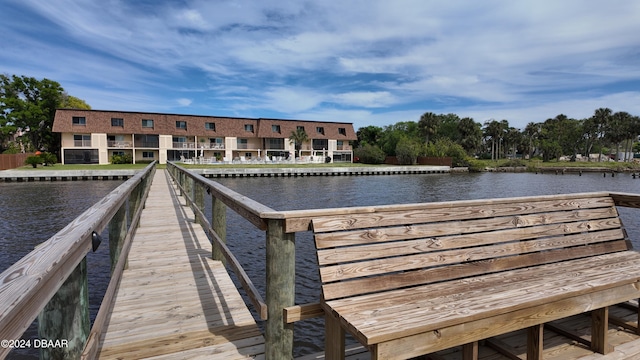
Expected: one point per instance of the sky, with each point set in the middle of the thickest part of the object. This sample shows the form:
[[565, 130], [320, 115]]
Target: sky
[[367, 62]]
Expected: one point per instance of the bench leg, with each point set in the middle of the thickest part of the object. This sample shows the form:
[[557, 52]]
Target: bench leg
[[535, 343], [470, 351], [333, 338], [600, 331]]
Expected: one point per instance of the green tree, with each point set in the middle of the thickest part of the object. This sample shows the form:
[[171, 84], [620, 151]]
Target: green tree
[[72, 102], [601, 119], [368, 135], [428, 125], [470, 135], [298, 137], [531, 135], [407, 151]]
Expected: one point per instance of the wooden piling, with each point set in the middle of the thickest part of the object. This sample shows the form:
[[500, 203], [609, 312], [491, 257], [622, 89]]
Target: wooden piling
[[66, 317], [219, 225], [117, 234], [280, 290]]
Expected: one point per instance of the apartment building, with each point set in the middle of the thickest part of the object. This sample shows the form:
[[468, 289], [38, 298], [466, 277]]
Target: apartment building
[[94, 136]]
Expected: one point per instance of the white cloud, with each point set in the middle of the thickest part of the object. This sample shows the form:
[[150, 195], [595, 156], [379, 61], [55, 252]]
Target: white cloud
[[184, 101], [511, 59]]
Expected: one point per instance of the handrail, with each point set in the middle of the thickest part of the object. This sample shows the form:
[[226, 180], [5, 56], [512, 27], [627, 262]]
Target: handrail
[[27, 286], [281, 227], [238, 203]]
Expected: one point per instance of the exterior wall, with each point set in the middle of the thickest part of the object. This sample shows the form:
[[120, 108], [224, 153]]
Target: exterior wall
[[128, 126]]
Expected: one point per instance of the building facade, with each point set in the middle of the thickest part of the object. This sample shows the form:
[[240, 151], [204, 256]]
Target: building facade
[[94, 136]]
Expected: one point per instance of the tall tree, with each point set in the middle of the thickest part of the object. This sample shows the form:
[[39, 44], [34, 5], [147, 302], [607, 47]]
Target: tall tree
[[30, 104], [601, 119], [298, 137], [531, 134], [428, 125], [470, 135]]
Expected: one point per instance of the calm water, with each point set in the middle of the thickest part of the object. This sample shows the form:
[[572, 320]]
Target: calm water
[[31, 212]]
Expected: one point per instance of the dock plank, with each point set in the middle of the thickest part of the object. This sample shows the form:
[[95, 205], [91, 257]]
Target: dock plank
[[174, 301]]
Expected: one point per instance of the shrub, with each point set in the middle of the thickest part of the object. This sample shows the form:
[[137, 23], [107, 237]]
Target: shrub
[[446, 147], [407, 151], [48, 158], [370, 154], [122, 159], [33, 160]]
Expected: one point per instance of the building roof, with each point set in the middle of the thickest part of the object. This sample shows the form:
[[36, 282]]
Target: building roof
[[100, 121]]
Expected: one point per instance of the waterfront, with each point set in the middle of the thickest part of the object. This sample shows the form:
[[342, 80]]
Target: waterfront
[[43, 208]]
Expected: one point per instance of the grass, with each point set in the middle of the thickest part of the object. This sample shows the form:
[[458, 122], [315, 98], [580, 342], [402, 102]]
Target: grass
[[85, 167], [539, 164]]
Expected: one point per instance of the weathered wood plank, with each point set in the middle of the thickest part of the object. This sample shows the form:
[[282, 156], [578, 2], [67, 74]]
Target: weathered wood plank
[[174, 300], [458, 271], [451, 211], [523, 223]]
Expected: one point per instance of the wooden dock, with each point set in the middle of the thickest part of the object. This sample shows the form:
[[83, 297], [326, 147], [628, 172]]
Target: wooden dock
[[173, 300]]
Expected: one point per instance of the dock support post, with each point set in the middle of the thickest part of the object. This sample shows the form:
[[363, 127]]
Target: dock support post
[[198, 199], [219, 225], [66, 317], [134, 200], [117, 233], [281, 259]]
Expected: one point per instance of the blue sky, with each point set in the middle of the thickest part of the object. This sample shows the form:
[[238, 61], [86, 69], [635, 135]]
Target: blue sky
[[369, 62]]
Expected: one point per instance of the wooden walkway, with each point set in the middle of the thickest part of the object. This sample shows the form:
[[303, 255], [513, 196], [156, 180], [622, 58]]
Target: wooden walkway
[[174, 301]]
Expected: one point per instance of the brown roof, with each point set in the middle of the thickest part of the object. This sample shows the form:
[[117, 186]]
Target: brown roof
[[332, 130], [99, 121]]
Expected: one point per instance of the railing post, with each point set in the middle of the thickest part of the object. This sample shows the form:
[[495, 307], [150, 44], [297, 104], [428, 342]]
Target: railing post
[[281, 277], [134, 199], [198, 199], [219, 225], [117, 233], [66, 317]]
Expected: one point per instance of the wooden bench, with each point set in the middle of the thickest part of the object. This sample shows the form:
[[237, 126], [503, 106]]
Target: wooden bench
[[414, 279]]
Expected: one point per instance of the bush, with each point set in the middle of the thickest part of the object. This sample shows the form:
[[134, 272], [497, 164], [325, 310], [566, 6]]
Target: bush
[[33, 160], [122, 159], [407, 152], [446, 147], [370, 154], [48, 158]]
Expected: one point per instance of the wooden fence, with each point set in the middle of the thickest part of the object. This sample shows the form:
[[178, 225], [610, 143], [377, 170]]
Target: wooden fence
[[12, 161]]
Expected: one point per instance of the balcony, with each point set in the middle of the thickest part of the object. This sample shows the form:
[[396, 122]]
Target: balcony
[[184, 145], [119, 144], [344, 148], [81, 143]]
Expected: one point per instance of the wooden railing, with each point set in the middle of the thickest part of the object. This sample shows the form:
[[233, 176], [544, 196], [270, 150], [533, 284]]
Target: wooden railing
[[51, 281], [280, 228]]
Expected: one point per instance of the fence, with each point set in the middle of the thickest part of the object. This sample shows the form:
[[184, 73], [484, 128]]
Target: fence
[[12, 161]]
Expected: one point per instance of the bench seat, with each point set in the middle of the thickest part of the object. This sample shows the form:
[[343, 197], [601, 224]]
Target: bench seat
[[415, 281], [491, 303]]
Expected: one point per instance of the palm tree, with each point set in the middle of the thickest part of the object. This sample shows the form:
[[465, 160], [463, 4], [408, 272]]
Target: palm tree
[[470, 135], [428, 125], [532, 133], [298, 137], [602, 118]]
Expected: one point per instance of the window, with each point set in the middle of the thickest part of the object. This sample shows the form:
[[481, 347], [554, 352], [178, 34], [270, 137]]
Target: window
[[275, 128], [181, 125], [300, 128], [210, 126], [320, 144], [277, 144], [117, 122], [342, 131], [248, 127], [148, 155], [147, 123], [82, 140], [320, 130], [243, 143], [79, 120]]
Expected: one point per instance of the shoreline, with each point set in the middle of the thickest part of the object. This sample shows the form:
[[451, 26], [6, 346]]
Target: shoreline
[[102, 174]]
